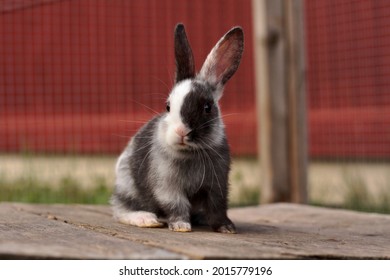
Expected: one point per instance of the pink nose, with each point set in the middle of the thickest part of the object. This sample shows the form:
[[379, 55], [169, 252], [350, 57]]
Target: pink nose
[[181, 130]]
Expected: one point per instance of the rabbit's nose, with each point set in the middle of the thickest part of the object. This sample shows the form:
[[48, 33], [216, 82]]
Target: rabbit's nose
[[181, 130]]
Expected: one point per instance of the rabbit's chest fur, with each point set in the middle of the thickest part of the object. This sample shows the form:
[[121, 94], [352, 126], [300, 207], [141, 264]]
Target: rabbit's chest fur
[[185, 175], [156, 168]]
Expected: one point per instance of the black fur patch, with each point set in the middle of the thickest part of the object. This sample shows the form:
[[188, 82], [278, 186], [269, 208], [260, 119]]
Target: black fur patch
[[193, 111], [185, 64]]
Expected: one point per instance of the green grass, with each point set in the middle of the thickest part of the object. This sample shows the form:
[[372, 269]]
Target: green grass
[[248, 196], [69, 190], [31, 190], [359, 198]]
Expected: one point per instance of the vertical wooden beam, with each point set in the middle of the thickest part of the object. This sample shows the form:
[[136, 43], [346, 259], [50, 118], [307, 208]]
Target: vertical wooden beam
[[280, 99], [271, 101], [297, 116], [262, 85]]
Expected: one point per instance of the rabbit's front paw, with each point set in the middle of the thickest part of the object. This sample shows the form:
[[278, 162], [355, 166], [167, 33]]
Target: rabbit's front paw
[[140, 219], [180, 226]]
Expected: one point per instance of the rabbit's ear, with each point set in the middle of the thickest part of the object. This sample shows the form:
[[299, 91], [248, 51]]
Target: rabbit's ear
[[223, 60], [185, 65]]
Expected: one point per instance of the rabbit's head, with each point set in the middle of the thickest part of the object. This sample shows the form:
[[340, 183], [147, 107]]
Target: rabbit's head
[[193, 119]]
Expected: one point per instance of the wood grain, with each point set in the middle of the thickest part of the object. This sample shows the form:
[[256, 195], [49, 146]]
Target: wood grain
[[274, 231]]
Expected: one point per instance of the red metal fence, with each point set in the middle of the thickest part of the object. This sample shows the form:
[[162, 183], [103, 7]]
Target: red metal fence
[[74, 75], [348, 51], [82, 75]]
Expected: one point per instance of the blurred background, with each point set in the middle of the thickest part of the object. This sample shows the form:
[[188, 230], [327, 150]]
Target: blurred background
[[79, 77]]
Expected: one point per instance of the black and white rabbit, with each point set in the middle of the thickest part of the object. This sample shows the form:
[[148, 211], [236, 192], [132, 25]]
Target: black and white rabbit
[[176, 166]]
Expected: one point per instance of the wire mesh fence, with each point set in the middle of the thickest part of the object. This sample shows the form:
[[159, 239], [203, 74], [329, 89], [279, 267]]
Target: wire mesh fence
[[79, 77], [82, 76], [348, 78]]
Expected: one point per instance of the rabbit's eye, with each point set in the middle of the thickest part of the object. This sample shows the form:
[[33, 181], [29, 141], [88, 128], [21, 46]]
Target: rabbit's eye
[[207, 107], [168, 107]]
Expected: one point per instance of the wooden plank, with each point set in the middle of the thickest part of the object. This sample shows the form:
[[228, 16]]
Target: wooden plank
[[315, 232], [275, 231], [29, 234], [202, 243]]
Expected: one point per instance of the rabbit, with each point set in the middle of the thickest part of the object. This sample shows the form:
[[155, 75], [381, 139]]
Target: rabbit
[[175, 168]]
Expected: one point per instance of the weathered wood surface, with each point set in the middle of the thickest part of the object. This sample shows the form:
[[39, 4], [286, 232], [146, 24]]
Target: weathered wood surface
[[275, 231]]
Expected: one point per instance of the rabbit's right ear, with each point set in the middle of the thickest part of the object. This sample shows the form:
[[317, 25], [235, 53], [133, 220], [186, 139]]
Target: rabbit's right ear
[[185, 64], [223, 60]]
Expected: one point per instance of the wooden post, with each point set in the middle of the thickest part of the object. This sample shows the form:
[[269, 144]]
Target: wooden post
[[280, 84], [297, 117]]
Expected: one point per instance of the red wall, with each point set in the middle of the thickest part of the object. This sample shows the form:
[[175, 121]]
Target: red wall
[[74, 74], [82, 75]]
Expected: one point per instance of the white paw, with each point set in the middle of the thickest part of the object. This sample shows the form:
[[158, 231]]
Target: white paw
[[140, 219], [180, 226]]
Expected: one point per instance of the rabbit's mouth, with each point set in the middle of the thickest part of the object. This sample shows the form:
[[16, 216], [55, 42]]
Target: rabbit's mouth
[[183, 143]]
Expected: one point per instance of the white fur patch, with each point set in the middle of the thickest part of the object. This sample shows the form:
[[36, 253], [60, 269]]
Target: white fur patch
[[124, 181], [176, 99], [167, 133], [180, 226], [170, 195], [173, 197], [137, 218]]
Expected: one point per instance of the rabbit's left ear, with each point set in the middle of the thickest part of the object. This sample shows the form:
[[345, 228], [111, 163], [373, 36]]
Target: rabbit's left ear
[[223, 60], [185, 64]]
